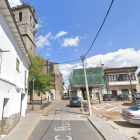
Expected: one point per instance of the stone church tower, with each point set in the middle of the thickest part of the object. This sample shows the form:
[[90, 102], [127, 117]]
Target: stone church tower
[[26, 21]]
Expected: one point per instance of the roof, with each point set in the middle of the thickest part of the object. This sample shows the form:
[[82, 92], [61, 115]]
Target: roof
[[8, 14], [25, 6], [133, 68]]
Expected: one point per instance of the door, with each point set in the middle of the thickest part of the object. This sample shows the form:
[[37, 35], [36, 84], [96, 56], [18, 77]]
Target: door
[[114, 92]]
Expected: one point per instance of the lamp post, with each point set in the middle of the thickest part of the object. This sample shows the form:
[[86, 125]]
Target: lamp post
[[33, 80], [129, 75], [97, 81]]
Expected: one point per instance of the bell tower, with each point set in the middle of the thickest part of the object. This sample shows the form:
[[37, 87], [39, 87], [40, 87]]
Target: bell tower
[[26, 21]]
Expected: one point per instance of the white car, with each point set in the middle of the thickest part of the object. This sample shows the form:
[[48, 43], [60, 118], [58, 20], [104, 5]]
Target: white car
[[132, 114]]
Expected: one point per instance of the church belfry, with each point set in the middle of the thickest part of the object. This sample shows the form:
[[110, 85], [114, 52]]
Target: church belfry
[[26, 21]]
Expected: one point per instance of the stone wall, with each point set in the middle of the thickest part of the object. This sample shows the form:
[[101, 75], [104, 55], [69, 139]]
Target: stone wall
[[8, 123], [26, 28]]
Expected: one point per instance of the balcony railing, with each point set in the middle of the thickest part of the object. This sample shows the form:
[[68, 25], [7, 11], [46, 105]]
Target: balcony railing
[[121, 77]]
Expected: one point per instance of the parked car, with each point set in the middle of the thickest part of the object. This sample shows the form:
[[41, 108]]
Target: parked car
[[75, 101], [109, 97], [122, 97], [132, 114], [137, 95]]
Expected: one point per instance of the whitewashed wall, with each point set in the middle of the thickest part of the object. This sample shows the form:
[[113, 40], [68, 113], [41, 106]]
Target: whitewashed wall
[[10, 74]]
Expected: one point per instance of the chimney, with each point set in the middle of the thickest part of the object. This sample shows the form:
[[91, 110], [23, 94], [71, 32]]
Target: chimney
[[102, 65]]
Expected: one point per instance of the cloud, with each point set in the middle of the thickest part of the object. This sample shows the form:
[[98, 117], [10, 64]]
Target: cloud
[[110, 43], [121, 58], [42, 41], [78, 25], [40, 21], [76, 50], [14, 2], [49, 48], [61, 33], [71, 42], [47, 54]]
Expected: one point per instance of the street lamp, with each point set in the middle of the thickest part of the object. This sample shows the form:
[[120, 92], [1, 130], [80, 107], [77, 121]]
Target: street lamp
[[33, 80], [97, 81], [129, 75]]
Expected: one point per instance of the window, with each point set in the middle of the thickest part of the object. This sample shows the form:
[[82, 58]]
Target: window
[[124, 91], [17, 65], [20, 16], [25, 78], [30, 21]]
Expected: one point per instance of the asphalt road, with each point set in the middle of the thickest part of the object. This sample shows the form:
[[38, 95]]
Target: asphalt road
[[63, 122]]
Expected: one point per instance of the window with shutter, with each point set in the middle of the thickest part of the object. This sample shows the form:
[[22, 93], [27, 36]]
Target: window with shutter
[[17, 65]]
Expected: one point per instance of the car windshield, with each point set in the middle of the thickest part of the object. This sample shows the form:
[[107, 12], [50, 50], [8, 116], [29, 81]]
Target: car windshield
[[75, 98], [135, 108]]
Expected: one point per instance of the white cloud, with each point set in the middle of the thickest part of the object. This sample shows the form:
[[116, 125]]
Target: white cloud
[[121, 58], [47, 54], [78, 25], [49, 48], [71, 42], [42, 41], [110, 43], [14, 2], [76, 50], [40, 21], [61, 33]]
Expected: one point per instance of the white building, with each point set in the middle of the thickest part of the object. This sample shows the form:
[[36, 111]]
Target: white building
[[14, 66]]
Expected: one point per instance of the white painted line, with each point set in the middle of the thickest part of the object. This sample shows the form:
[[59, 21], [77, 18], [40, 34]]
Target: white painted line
[[83, 109], [108, 104], [111, 109], [95, 108]]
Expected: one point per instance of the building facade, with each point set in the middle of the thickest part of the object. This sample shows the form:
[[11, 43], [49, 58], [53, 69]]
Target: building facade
[[110, 80], [118, 81], [25, 17], [14, 66]]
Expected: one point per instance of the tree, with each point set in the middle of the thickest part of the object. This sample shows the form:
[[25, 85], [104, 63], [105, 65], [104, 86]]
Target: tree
[[43, 81]]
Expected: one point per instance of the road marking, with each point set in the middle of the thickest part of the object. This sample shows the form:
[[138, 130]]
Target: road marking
[[101, 107], [56, 138], [108, 104], [95, 108], [111, 109]]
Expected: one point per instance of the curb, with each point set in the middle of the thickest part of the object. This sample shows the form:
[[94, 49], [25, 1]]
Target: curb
[[33, 128], [105, 138]]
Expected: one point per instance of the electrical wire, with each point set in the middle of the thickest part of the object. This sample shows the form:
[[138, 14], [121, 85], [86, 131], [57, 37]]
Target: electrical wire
[[96, 34], [100, 27]]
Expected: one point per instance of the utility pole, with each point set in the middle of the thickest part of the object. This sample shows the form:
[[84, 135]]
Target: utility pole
[[89, 105]]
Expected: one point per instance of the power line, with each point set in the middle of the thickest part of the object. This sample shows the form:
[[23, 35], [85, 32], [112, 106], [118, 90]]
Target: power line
[[96, 34], [100, 27]]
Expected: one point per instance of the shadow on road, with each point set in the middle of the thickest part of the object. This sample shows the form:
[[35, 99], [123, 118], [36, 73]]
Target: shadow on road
[[126, 124]]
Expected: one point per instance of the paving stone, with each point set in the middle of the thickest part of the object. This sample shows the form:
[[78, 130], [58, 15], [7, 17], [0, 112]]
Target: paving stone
[[105, 129]]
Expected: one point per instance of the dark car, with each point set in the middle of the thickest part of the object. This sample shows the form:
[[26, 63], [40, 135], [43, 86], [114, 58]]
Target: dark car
[[75, 101], [122, 97], [109, 97]]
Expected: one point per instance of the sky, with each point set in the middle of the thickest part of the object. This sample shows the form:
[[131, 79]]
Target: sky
[[67, 28]]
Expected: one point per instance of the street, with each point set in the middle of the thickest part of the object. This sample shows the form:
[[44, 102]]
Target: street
[[63, 122]]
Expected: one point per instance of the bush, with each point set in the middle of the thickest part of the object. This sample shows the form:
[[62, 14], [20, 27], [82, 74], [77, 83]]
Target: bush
[[85, 95]]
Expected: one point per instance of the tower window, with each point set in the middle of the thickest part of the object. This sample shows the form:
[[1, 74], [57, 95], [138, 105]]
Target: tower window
[[20, 16]]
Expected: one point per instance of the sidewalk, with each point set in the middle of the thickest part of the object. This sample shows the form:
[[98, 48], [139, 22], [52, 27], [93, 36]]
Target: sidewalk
[[105, 129], [24, 127], [28, 123]]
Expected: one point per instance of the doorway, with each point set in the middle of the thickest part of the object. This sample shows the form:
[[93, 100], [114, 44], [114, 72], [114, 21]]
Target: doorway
[[114, 92], [4, 114], [21, 104]]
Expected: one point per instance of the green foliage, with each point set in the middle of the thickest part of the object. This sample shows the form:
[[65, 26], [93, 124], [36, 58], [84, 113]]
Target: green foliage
[[43, 81], [85, 95]]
